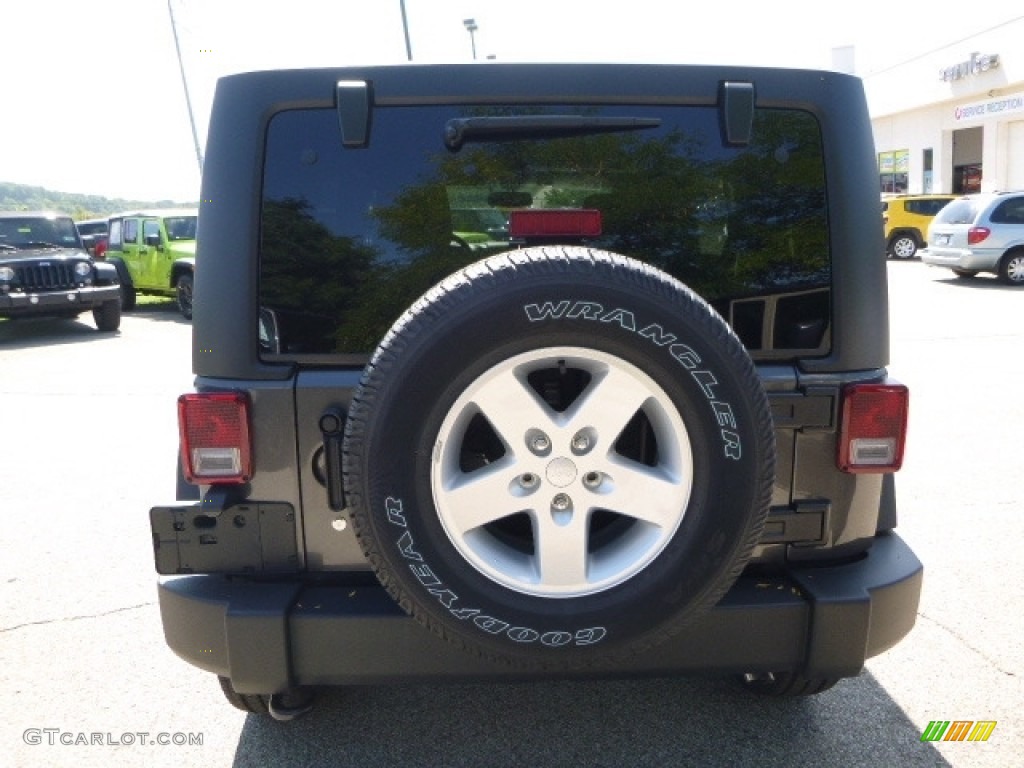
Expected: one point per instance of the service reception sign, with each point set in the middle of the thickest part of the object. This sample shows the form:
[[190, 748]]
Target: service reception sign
[[980, 110]]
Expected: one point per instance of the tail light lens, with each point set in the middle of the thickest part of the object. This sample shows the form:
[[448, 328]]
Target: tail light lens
[[554, 222], [215, 442], [976, 234], [873, 427]]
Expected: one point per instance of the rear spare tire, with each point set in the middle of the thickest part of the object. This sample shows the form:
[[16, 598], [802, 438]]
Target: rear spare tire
[[558, 457]]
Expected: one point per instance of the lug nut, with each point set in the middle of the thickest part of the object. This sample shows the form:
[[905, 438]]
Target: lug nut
[[561, 502], [540, 443], [580, 443], [528, 481], [592, 479]]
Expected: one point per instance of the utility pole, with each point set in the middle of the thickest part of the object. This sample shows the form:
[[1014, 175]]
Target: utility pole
[[184, 83]]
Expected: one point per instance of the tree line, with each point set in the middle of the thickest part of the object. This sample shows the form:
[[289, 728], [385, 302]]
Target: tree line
[[22, 197]]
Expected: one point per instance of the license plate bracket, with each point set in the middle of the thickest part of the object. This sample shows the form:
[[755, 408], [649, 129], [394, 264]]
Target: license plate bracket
[[241, 538]]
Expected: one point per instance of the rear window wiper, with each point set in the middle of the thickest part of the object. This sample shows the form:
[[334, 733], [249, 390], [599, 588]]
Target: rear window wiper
[[463, 130]]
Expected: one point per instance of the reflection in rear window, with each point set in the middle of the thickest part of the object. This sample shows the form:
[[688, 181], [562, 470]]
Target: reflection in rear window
[[351, 237], [961, 211]]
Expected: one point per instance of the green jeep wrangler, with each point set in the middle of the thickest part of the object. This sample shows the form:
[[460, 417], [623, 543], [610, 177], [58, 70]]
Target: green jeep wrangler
[[155, 253]]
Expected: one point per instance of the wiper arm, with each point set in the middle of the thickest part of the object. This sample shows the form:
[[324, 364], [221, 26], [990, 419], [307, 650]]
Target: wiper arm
[[461, 130]]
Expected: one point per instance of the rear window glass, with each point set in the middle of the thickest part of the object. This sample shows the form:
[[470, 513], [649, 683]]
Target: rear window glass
[[926, 207], [92, 227], [115, 233], [962, 211], [352, 236]]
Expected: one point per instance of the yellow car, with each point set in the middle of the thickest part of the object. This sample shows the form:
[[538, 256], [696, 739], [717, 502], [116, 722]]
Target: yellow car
[[906, 219]]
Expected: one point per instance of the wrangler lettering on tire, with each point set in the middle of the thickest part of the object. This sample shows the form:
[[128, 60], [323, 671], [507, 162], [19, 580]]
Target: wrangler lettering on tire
[[558, 456]]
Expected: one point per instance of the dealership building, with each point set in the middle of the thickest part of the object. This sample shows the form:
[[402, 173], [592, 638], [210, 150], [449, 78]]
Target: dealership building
[[952, 119]]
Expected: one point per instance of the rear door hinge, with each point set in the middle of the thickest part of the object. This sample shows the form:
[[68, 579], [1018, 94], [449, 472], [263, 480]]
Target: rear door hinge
[[805, 523], [811, 410], [353, 100]]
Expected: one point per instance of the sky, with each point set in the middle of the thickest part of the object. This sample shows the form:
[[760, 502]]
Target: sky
[[93, 99]]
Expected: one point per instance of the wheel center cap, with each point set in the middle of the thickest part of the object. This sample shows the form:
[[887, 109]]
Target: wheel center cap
[[561, 472]]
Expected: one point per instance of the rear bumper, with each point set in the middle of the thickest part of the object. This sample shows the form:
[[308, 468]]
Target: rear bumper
[[961, 258], [268, 637]]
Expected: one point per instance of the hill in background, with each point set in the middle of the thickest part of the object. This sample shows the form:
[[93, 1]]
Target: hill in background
[[20, 197]]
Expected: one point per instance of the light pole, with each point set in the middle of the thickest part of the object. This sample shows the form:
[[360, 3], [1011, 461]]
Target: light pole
[[471, 27]]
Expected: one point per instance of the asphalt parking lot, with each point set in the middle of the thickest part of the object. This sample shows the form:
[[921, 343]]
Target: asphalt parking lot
[[89, 436]]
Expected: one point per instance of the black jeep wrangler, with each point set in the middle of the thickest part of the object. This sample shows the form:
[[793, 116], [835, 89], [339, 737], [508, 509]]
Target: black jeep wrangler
[[45, 271], [635, 421]]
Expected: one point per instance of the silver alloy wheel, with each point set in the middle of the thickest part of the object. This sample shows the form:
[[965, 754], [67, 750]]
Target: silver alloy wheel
[[904, 247], [564, 509], [1015, 268]]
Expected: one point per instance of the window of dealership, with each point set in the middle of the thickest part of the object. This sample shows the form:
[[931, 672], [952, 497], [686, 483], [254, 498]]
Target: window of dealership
[[952, 120]]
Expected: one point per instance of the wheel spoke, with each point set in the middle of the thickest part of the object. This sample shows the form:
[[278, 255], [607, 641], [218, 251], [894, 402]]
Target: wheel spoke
[[480, 497], [1015, 269], [608, 404], [511, 406], [644, 493], [561, 549]]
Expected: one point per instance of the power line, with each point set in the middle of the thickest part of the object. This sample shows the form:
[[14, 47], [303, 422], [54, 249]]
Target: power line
[[942, 47]]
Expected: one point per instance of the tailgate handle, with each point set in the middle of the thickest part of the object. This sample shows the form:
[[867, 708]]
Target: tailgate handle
[[332, 427]]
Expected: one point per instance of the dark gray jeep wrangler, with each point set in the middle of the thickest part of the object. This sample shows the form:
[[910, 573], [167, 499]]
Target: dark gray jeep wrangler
[[46, 271], [537, 369]]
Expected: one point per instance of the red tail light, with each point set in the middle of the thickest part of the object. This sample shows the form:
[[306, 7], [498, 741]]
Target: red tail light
[[554, 222], [214, 431], [976, 234], [873, 427]]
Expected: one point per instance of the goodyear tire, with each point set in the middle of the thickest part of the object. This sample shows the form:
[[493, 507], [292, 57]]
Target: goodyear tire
[[558, 457]]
